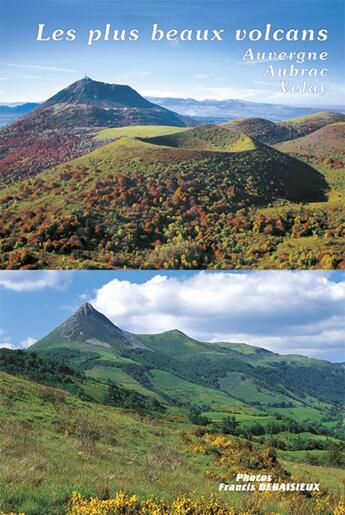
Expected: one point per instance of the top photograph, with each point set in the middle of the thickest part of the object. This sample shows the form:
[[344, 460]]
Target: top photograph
[[172, 135]]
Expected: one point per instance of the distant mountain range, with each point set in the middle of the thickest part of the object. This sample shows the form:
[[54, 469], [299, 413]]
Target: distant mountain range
[[9, 113], [216, 111], [17, 109], [175, 368]]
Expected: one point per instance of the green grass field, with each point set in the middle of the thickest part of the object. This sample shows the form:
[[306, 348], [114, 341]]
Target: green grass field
[[137, 131], [186, 392], [119, 377], [53, 444], [245, 388]]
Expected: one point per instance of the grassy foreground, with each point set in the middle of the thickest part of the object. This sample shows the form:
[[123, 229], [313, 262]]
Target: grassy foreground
[[53, 444]]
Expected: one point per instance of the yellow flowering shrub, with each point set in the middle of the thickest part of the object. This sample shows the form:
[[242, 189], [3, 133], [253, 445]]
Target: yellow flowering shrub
[[131, 505], [121, 504], [340, 507], [203, 506], [200, 449], [238, 456]]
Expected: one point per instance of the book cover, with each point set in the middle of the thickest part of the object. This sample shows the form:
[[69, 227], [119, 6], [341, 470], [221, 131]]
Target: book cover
[[172, 289]]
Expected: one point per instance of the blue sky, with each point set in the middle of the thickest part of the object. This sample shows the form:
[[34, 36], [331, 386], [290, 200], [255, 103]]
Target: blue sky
[[299, 312], [33, 71]]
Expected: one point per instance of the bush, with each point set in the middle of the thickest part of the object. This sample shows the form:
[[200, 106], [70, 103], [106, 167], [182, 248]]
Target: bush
[[229, 425], [132, 505], [195, 417]]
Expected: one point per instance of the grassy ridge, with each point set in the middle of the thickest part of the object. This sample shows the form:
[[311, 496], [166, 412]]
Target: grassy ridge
[[137, 131], [262, 130], [185, 372], [325, 142], [309, 123], [207, 137]]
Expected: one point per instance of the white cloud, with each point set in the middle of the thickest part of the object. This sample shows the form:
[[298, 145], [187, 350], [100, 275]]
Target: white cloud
[[287, 312], [225, 93], [24, 344], [39, 67], [27, 281], [204, 93], [5, 341], [7, 345]]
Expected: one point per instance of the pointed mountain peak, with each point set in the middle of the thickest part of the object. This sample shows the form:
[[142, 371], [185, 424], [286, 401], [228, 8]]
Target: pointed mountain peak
[[87, 326], [94, 93], [87, 309]]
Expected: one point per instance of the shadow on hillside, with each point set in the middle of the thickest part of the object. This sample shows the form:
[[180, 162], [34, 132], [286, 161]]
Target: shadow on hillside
[[303, 183]]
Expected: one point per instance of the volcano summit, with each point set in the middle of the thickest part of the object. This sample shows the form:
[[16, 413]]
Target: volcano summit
[[64, 126], [90, 103]]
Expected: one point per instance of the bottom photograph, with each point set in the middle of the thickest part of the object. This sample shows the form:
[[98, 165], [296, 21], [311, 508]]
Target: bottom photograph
[[143, 392]]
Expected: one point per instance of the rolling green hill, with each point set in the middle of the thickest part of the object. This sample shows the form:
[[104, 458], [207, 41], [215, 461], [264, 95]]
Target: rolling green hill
[[52, 373], [214, 150], [304, 125], [269, 132], [327, 141], [166, 197], [262, 130], [142, 195], [207, 137], [177, 369]]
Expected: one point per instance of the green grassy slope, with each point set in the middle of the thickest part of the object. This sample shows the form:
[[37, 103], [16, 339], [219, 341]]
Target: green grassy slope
[[207, 137], [137, 131], [56, 444], [261, 129], [52, 373], [53, 444], [327, 141], [180, 370], [306, 124]]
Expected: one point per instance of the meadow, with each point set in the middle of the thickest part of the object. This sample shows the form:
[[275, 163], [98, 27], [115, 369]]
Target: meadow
[[53, 444]]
